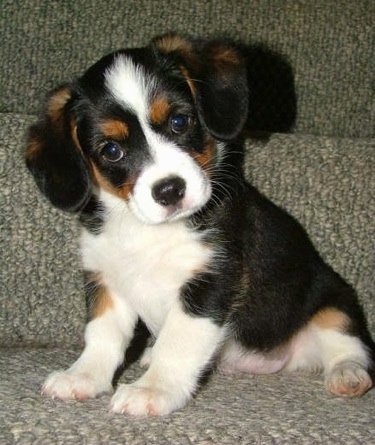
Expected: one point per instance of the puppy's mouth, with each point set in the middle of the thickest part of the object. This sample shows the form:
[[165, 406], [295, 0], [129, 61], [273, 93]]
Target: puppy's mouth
[[180, 211], [151, 209], [173, 212]]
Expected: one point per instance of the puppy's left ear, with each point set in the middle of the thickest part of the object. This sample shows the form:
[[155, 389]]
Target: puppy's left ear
[[216, 73], [221, 90]]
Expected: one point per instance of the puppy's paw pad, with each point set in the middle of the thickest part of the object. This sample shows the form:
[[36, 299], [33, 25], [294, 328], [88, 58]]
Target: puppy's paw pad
[[65, 386], [348, 379], [142, 401]]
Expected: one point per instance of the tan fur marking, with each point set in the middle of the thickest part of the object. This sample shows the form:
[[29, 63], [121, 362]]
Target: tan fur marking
[[98, 179], [173, 42], [114, 129], [222, 56], [57, 103], [101, 303], [122, 192], [55, 106], [33, 150], [73, 129], [331, 318], [204, 159], [189, 81], [159, 110], [125, 191]]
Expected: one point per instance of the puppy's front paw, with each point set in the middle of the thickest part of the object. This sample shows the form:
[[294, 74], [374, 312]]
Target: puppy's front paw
[[348, 379], [65, 385], [138, 400], [145, 361]]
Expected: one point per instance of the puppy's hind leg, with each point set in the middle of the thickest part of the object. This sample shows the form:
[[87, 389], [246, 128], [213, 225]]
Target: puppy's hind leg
[[343, 357], [348, 378]]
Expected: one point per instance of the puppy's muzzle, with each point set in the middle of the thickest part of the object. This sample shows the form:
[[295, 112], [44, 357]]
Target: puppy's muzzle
[[169, 191]]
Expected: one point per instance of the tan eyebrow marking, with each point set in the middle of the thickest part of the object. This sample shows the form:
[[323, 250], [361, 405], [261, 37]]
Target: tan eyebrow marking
[[114, 129], [159, 110]]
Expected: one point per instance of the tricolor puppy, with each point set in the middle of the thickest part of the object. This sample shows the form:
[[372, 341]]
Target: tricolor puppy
[[146, 146]]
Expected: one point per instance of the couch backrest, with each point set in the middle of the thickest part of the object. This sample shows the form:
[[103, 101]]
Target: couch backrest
[[330, 46]]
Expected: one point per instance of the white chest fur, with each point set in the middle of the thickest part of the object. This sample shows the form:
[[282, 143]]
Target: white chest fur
[[143, 265]]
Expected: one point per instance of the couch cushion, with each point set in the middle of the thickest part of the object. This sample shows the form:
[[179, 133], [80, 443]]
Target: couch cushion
[[326, 183], [264, 410]]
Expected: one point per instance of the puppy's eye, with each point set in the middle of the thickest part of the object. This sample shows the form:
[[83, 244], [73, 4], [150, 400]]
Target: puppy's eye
[[180, 123], [111, 152]]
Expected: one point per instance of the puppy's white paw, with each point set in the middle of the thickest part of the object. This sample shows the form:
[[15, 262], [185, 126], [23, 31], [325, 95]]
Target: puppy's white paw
[[348, 379], [145, 361], [65, 385], [139, 400]]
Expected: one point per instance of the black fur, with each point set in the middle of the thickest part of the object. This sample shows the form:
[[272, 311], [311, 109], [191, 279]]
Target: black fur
[[269, 280], [287, 275], [288, 280], [60, 171], [92, 216]]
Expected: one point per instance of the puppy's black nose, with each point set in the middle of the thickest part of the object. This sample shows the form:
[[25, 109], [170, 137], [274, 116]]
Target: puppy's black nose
[[169, 191]]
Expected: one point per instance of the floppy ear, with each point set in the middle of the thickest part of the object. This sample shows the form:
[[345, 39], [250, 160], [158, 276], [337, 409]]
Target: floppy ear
[[221, 90], [54, 157], [217, 74]]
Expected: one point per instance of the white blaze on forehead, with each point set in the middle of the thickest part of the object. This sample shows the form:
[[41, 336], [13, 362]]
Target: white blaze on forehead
[[133, 89], [129, 85]]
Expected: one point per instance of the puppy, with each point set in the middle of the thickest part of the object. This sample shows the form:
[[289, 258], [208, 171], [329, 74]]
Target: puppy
[[147, 148]]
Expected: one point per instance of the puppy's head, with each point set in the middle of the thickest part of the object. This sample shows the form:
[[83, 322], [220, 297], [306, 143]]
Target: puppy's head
[[142, 124]]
